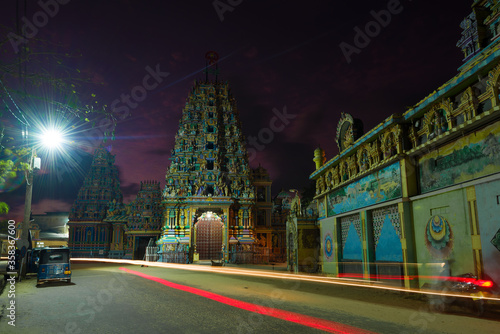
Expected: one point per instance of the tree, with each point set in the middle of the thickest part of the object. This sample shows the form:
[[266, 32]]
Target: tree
[[4, 208], [10, 163]]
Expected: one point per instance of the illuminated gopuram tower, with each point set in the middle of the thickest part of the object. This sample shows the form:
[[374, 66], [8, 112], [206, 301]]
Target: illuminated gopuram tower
[[89, 236], [209, 195]]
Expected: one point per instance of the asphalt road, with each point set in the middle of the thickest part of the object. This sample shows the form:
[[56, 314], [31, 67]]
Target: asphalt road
[[103, 298]]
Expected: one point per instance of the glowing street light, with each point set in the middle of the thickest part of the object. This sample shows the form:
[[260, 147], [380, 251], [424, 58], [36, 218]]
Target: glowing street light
[[52, 138]]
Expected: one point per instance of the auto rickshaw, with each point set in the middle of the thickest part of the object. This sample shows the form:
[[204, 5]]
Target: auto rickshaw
[[54, 265], [32, 260]]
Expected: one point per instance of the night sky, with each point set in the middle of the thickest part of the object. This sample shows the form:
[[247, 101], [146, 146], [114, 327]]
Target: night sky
[[274, 54]]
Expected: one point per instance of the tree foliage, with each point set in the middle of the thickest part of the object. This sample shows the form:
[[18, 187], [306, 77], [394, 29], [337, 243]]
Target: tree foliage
[[46, 75], [4, 208], [10, 159]]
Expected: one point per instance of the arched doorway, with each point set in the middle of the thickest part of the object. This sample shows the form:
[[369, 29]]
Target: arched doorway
[[209, 235]]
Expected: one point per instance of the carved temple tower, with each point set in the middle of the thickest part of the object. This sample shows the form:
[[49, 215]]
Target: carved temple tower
[[144, 220], [209, 196], [88, 234]]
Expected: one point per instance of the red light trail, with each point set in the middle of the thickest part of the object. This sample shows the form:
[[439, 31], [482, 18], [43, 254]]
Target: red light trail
[[322, 324]]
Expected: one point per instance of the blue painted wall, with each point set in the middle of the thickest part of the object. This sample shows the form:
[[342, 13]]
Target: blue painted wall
[[388, 247], [353, 249]]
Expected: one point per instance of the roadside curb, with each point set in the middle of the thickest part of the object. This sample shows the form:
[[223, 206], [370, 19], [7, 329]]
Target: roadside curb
[[3, 297]]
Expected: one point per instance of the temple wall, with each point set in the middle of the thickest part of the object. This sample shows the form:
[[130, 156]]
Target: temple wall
[[442, 248], [329, 251], [488, 209]]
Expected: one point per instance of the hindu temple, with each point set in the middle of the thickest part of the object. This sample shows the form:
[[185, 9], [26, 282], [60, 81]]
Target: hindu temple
[[213, 206]]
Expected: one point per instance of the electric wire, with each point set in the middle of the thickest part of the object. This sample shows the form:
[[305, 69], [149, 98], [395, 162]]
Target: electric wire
[[15, 104], [8, 108]]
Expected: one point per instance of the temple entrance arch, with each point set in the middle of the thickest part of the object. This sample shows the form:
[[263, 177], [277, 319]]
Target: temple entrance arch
[[209, 232]]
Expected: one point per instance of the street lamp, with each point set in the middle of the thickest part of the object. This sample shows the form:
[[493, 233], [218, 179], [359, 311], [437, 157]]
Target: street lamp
[[51, 138]]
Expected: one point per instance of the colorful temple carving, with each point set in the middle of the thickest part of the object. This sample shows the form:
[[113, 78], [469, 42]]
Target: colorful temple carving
[[145, 219], [209, 178], [417, 193], [213, 206]]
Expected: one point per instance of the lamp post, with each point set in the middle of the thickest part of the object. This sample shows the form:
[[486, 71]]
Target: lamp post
[[49, 139], [23, 243]]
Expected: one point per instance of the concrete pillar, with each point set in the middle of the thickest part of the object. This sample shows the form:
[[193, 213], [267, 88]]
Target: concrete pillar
[[368, 244], [319, 157], [408, 244], [476, 237]]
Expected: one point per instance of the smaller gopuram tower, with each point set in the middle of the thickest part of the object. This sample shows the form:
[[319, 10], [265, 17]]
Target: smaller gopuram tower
[[89, 236], [209, 195], [144, 219], [478, 28]]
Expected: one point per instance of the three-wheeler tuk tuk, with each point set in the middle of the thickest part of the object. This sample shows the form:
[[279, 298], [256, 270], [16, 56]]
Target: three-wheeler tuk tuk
[[54, 265]]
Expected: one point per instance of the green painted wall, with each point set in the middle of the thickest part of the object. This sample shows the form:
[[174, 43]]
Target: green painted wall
[[308, 252], [452, 206], [467, 158]]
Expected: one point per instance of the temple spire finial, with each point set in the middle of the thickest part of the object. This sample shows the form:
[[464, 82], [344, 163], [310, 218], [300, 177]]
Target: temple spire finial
[[211, 65]]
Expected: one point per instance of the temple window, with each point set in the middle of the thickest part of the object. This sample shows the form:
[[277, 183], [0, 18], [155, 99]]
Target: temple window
[[210, 189], [483, 106], [441, 125], [261, 195], [210, 164], [482, 85]]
